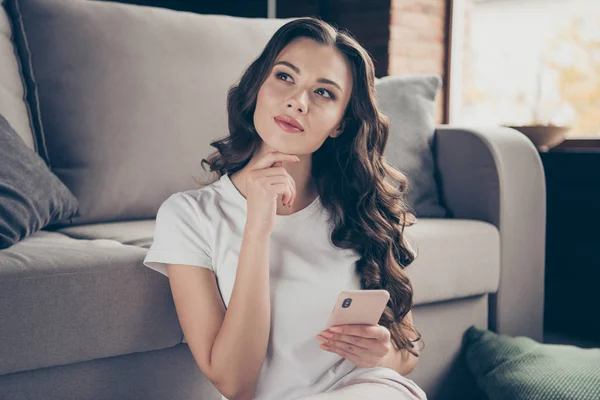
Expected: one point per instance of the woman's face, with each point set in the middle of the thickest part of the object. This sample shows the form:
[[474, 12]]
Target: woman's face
[[310, 83]]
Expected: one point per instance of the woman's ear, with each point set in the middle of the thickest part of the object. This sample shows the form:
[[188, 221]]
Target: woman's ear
[[340, 128]]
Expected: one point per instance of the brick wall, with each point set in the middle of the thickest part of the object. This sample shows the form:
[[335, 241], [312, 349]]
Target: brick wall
[[418, 41]]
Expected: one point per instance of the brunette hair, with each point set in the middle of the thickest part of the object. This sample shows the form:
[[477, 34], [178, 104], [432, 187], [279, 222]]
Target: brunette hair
[[368, 212]]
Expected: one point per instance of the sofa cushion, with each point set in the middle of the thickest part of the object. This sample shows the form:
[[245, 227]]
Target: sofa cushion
[[129, 104], [409, 103], [457, 258], [64, 300], [31, 197], [12, 88], [521, 368], [135, 233]]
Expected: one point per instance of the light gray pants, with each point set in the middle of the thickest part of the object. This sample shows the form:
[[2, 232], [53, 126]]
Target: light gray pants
[[373, 389]]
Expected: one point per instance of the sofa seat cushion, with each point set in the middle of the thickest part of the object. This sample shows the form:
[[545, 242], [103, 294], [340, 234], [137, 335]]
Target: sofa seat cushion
[[457, 258], [136, 233], [65, 300]]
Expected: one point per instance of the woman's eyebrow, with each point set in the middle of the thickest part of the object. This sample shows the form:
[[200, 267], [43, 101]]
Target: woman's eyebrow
[[297, 70]]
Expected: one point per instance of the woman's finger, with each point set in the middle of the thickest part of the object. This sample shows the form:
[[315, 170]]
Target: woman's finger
[[357, 359], [358, 341], [348, 348]]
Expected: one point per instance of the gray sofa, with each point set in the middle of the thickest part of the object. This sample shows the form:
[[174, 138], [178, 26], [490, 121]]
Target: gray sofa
[[81, 318]]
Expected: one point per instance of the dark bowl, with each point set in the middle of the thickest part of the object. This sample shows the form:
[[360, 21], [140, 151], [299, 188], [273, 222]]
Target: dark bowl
[[544, 137]]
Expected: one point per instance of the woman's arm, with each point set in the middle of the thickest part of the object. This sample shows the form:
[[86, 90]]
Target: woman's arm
[[241, 344]]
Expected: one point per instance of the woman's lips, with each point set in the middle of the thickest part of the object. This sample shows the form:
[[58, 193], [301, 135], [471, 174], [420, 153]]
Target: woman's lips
[[287, 127]]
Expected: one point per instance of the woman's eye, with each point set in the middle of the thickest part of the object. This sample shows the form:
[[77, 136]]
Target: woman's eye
[[321, 92], [325, 93], [284, 75]]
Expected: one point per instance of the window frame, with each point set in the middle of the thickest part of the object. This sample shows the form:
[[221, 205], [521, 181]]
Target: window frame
[[456, 36]]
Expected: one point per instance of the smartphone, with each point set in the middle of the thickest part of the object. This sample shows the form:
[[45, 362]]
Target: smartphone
[[358, 307]]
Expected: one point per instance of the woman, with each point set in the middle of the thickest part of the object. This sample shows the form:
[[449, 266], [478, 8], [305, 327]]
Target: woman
[[300, 211]]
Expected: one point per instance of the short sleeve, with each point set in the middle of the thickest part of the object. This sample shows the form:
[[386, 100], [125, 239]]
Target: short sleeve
[[180, 236]]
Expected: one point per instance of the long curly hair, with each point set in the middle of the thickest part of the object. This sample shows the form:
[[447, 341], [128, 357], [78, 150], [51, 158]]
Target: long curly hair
[[368, 212]]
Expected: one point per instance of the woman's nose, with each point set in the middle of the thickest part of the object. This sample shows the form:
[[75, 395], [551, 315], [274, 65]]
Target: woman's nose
[[299, 109], [298, 104]]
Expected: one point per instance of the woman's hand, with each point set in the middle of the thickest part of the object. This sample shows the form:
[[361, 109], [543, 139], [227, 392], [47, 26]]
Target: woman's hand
[[364, 345], [266, 181]]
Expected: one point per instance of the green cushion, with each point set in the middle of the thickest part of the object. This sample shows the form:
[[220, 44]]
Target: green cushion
[[521, 368]]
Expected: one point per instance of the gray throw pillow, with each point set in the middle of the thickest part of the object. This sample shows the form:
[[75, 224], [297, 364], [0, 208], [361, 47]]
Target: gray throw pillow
[[409, 103], [31, 196]]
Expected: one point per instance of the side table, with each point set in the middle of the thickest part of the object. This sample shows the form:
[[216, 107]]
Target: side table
[[572, 281]]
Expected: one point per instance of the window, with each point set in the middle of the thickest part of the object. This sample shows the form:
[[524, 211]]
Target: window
[[526, 62]]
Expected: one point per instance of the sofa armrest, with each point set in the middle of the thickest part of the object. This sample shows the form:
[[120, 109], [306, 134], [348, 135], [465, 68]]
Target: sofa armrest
[[495, 174]]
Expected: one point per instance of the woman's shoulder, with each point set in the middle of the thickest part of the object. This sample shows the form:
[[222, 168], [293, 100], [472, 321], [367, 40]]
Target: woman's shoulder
[[194, 200]]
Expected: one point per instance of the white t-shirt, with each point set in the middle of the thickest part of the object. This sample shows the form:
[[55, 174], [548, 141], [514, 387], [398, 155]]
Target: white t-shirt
[[205, 227]]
